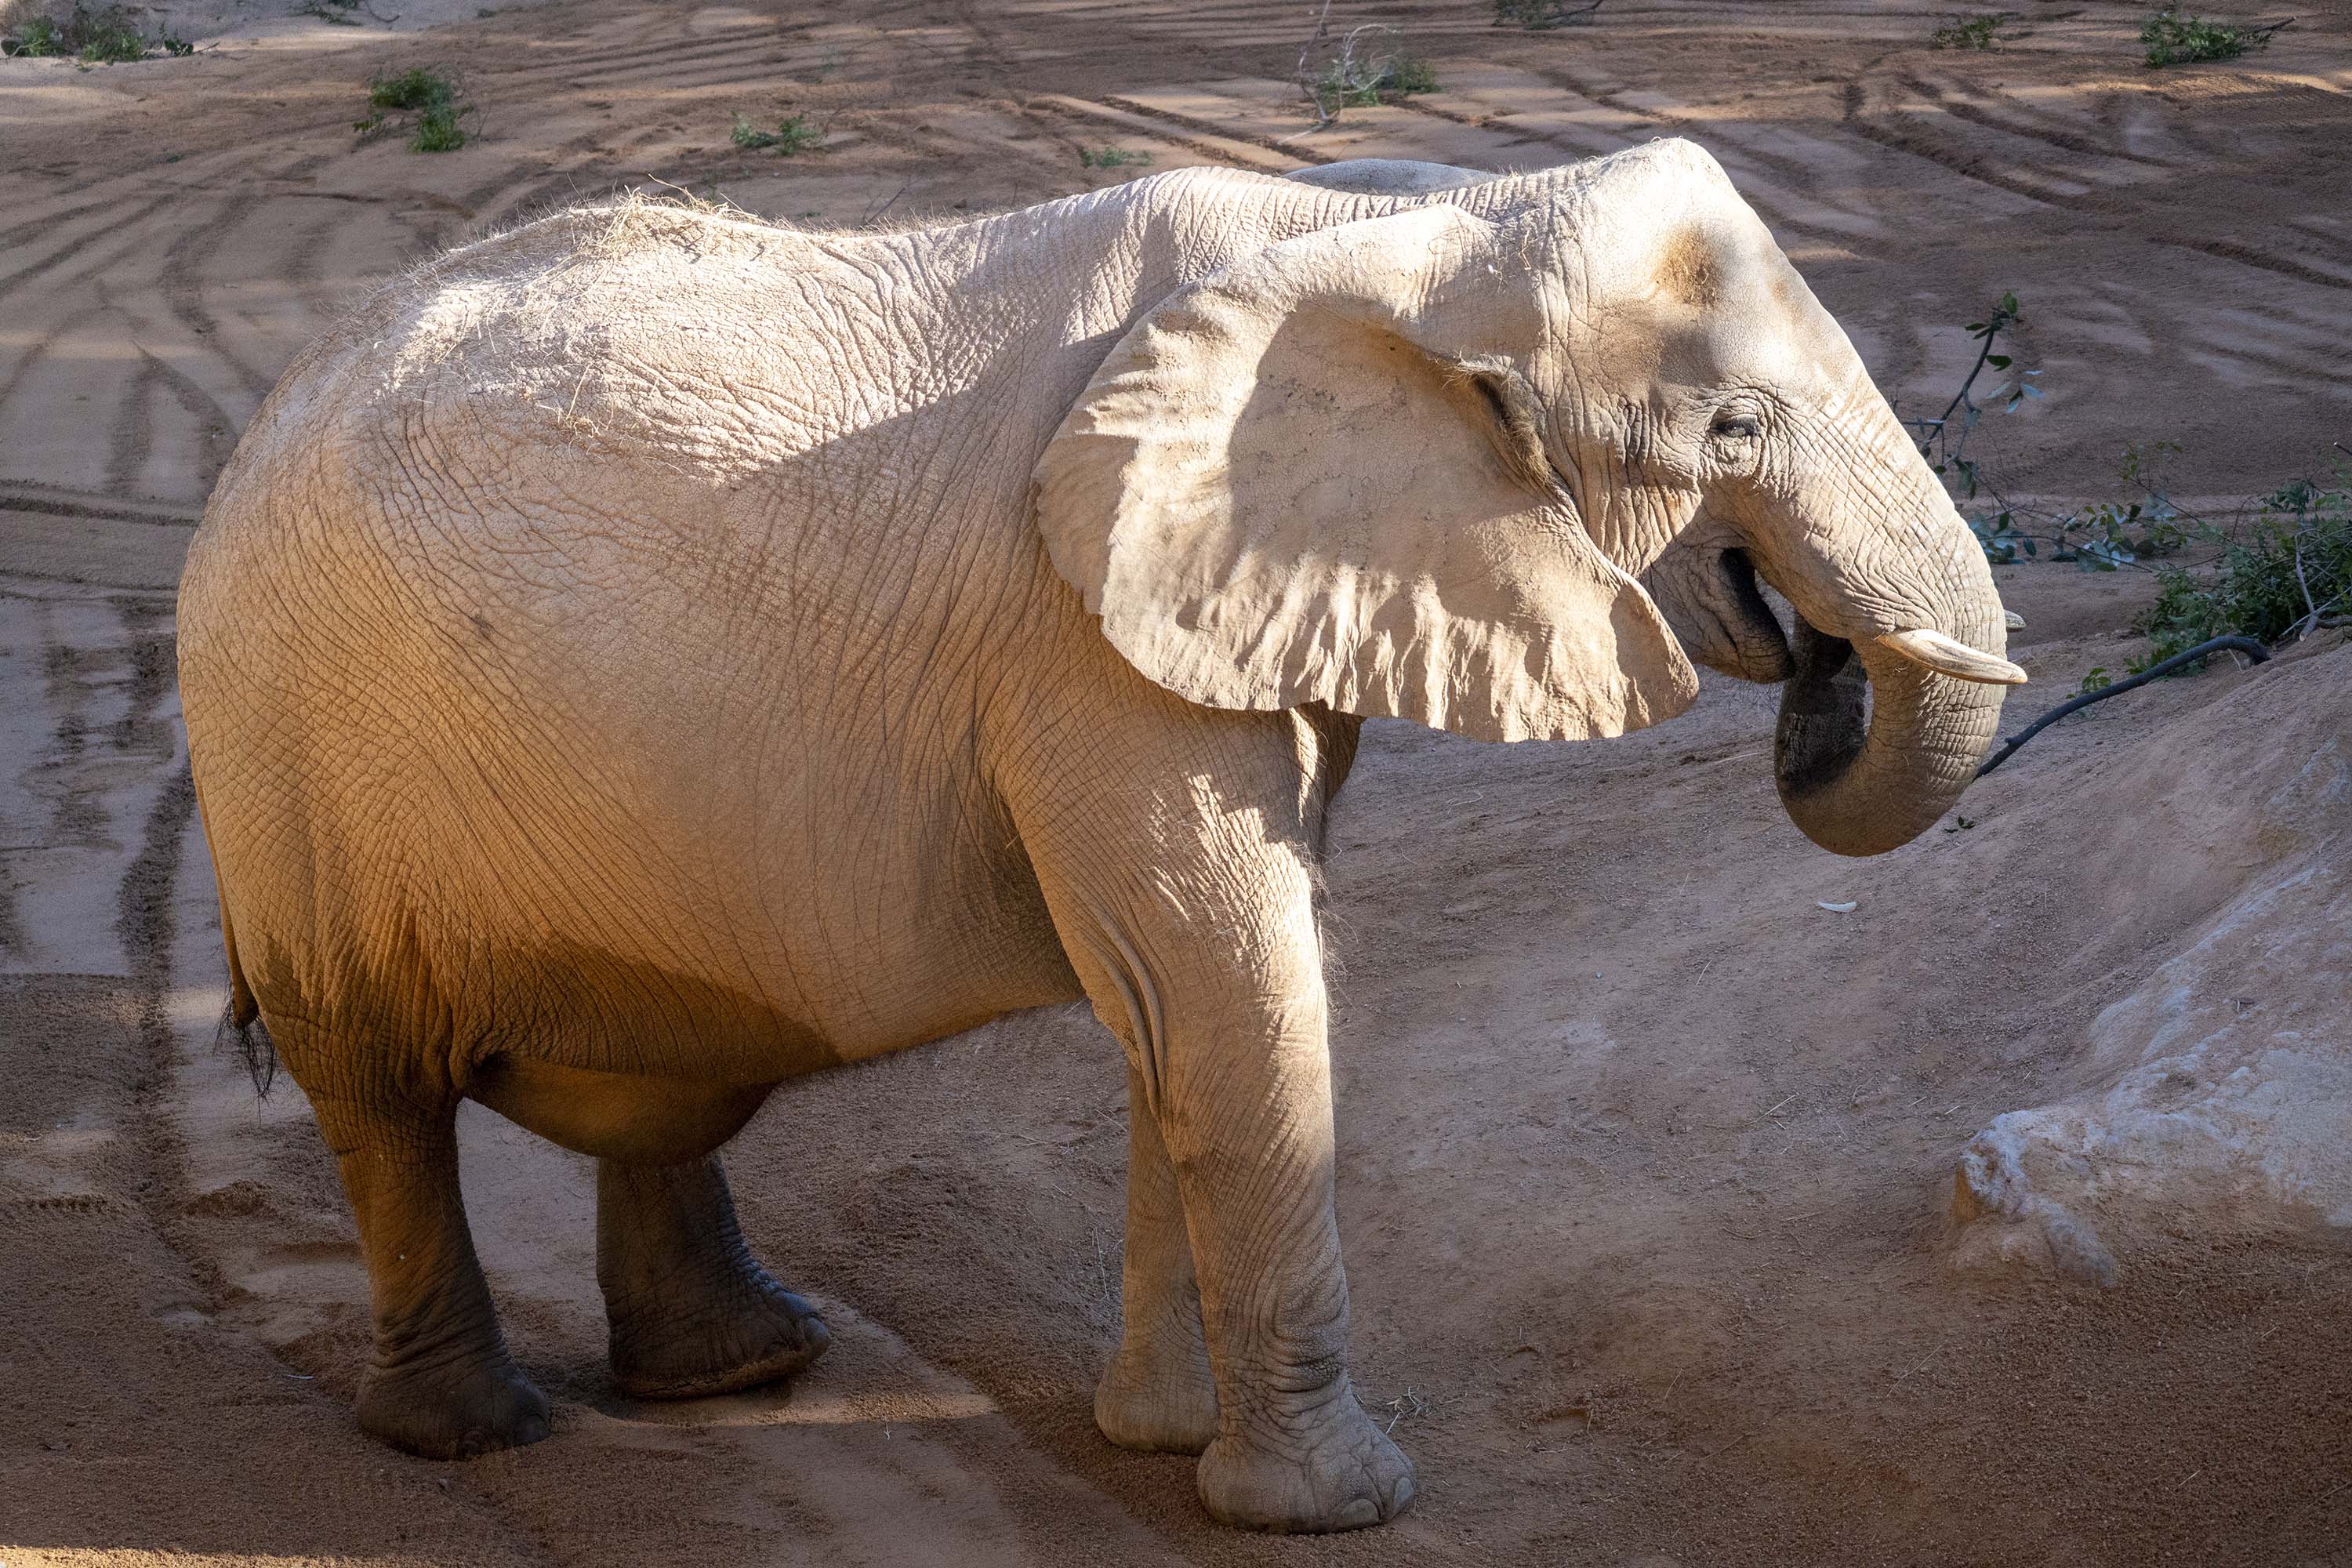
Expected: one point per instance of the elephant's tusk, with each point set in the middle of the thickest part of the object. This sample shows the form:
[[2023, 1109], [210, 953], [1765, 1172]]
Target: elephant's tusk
[[1956, 659]]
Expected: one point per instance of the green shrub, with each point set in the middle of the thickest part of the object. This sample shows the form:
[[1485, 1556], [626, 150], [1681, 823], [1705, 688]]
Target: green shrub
[[1968, 32], [789, 137], [38, 39], [1411, 76], [1351, 83], [2173, 39], [111, 42], [412, 89], [438, 132], [1110, 158], [428, 95], [2283, 572], [102, 36], [1344, 85]]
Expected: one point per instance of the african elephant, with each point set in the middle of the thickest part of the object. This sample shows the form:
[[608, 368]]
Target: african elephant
[[650, 655]]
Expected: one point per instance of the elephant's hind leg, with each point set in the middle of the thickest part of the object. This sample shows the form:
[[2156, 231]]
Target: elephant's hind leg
[[692, 1313], [1158, 1394], [441, 1383]]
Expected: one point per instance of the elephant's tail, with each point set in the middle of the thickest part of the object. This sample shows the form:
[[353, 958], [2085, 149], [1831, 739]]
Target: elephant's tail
[[242, 1007], [242, 1016]]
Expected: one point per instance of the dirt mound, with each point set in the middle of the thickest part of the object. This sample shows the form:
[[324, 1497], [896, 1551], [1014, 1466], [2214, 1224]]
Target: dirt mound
[[2219, 1101]]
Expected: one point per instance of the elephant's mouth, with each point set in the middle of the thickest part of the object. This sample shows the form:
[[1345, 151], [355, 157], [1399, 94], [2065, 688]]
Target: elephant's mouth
[[1752, 630], [1712, 598]]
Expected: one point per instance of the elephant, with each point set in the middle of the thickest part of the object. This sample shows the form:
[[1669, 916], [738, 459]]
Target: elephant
[[1388, 176], [651, 655]]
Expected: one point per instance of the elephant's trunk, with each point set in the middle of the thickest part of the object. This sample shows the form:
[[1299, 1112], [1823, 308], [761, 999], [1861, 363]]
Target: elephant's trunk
[[1863, 788], [1864, 781]]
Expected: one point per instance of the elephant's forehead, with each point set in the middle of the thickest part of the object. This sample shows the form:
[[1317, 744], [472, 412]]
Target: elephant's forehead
[[1699, 296]]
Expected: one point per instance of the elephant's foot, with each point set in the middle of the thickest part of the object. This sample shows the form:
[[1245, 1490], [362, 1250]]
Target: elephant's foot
[[746, 1331], [453, 1408], [691, 1312], [1344, 1473], [1158, 1403]]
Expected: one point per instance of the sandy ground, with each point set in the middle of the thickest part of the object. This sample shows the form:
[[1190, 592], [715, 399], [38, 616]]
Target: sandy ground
[[1644, 1155]]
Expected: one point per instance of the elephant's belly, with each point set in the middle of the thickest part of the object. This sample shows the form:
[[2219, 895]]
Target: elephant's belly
[[769, 1014], [616, 1116]]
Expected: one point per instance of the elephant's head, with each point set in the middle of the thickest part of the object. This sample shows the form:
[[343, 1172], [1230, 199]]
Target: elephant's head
[[1422, 464]]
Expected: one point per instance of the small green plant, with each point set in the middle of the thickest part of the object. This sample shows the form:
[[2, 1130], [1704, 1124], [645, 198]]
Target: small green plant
[[1360, 74], [1412, 76], [2173, 39], [2098, 538], [790, 136], [1346, 85], [94, 37], [1110, 158], [1541, 15], [1975, 32], [111, 42], [1943, 440], [437, 131], [38, 39], [2096, 678], [411, 89], [430, 96], [2283, 571]]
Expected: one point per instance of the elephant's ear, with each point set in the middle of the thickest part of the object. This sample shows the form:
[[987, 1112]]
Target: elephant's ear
[[1288, 483]]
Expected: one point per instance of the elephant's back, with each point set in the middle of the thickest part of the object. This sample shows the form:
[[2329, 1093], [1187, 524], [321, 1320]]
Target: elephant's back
[[522, 641]]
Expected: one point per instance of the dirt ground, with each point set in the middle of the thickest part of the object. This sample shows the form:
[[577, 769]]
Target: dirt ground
[[1644, 1155]]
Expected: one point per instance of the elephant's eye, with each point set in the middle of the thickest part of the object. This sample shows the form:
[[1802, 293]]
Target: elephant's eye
[[1735, 426]]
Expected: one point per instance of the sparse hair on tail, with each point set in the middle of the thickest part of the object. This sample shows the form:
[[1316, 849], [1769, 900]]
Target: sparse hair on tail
[[242, 1017]]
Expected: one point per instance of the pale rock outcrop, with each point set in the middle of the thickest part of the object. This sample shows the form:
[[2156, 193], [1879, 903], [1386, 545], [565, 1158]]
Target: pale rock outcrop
[[2228, 1105]]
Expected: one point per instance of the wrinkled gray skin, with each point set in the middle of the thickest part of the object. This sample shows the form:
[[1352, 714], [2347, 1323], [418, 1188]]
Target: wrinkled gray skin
[[625, 670]]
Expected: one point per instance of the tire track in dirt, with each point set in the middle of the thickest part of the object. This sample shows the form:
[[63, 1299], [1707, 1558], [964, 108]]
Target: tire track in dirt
[[2122, 206], [1898, 138], [729, 69], [54, 501], [2247, 255], [133, 437], [77, 247], [575, 67], [184, 282], [147, 924], [1288, 149], [34, 354], [217, 429], [1224, 148], [48, 223], [2011, 118], [1774, 202]]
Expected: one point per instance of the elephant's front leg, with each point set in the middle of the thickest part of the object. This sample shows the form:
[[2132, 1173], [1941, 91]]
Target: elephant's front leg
[[1206, 963], [1158, 1393], [1246, 1108], [691, 1311]]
